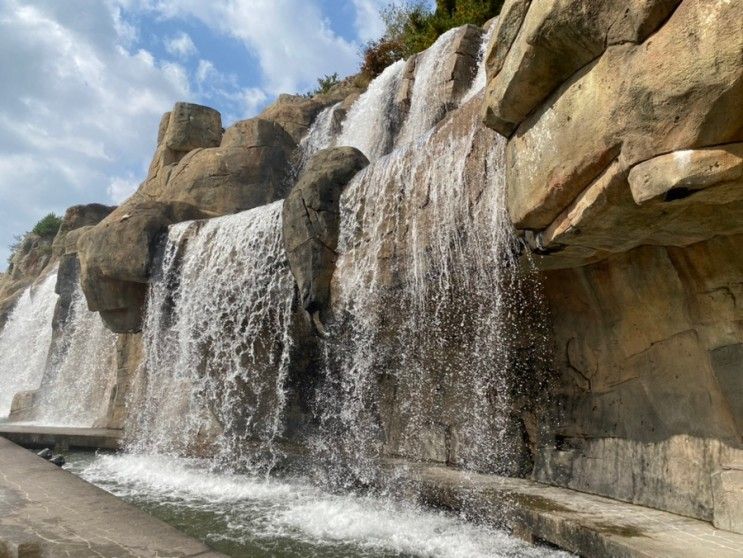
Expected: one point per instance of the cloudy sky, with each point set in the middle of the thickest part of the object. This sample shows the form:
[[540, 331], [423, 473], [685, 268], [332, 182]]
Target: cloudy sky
[[84, 83]]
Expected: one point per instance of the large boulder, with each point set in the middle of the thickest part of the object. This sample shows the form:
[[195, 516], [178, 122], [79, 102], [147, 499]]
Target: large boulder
[[311, 222], [249, 168], [570, 161], [197, 172], [116, 258], [76, 217], [540, 44]]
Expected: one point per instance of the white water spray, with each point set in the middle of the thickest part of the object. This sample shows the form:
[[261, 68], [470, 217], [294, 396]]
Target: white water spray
[[80, 376], [25, 340], [427, 107], [427, 286], [371, 122], [216, 342]]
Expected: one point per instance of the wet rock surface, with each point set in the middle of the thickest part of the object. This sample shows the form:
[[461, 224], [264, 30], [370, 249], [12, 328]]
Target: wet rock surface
[[311, 223]]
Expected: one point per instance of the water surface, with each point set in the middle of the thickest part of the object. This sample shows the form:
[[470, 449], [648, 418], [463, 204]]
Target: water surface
[[245, 516]]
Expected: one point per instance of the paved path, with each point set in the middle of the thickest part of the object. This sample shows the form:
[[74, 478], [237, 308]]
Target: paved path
[[45, 511], [61, 437], [582, 523]]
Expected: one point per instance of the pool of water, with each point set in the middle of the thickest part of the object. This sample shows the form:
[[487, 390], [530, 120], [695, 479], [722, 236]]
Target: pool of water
[[246, 516]]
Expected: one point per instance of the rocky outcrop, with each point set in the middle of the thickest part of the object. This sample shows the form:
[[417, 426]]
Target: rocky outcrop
[[116, 258], [624, 172], [76, 221], [575, 148], [197, 172], [311, 222], [296, 113]]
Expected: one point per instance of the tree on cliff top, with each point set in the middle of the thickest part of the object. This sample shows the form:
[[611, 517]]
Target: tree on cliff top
[[47, 226], [410, 27]]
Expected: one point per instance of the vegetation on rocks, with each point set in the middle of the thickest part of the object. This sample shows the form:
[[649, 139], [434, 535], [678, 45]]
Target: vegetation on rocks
[[48, 226], [411, 27]]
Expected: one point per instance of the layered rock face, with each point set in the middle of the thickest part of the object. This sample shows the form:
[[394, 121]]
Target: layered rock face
[[624, 171], [311, 223], [197, 172]]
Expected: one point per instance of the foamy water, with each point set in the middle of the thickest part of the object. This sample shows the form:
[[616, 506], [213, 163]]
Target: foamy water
[[291, 518]]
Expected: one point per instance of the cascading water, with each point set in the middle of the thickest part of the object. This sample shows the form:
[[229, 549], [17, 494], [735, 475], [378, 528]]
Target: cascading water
[[216, 342], [423, 363], [321, 135], [371, 123], [426, 105], [25, 340], [80, 375], [428, 289], [480, 81]]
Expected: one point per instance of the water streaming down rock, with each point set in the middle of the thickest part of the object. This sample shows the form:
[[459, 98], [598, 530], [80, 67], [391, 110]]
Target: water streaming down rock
[[80, 371], [478, 84], [373, 120], [427, 106], [321, 135], [25, 340], [431, 309], [216, 342]]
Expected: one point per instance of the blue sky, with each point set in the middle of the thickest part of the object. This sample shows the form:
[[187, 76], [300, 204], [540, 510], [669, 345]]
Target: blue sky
[[84, 83]]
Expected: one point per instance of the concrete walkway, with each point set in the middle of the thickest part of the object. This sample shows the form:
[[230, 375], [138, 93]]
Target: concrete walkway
[[582, 523], [60, 437], [45, 511]]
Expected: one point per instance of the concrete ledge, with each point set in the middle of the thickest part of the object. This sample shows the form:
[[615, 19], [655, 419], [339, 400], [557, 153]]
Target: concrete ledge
[[49, 512], [32, 436], [588, 525]]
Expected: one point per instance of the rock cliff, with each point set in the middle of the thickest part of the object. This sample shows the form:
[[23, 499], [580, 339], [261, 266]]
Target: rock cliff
[[624, 173], [609, 135]]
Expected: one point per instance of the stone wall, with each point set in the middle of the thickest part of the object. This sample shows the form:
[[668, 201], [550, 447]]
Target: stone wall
[[625, 174]]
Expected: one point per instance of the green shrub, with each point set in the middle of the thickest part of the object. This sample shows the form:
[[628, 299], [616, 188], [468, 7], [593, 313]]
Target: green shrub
[[326, 83], [48, 226], [410, 27]]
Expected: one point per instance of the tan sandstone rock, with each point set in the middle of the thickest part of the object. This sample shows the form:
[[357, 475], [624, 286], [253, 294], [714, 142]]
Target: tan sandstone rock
[[311, 222]]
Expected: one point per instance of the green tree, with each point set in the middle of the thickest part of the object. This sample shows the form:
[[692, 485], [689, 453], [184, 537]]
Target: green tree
[[47, 226]]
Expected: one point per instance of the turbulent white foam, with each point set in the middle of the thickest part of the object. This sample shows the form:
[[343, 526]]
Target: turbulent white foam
[[371, 121], [216, 341], [261, 509], [80, 376], [25, 340], [480, 81]]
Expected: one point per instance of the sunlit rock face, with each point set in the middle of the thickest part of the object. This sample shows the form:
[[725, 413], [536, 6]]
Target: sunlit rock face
[[624, 171], [196, 172]]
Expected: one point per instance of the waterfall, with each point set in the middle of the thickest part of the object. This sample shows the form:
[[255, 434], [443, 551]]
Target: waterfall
[[428, 293], [80, 373], [480, 81], [216, 340], [371, 122], [426, 105], [321, 135], [25, 340]]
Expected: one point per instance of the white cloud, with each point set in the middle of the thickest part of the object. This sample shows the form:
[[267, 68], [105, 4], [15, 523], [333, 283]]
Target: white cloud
[[291, 39], [121, 188], [181, 45], [369, 25], [77, 108]]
